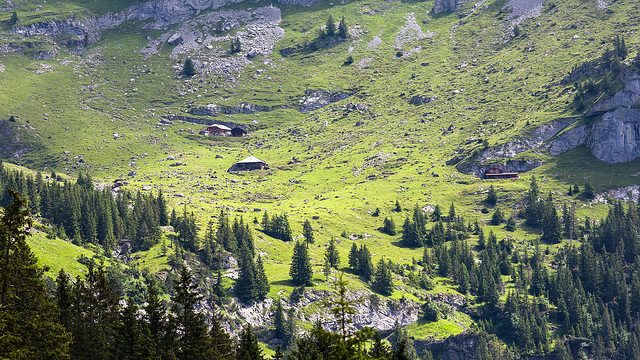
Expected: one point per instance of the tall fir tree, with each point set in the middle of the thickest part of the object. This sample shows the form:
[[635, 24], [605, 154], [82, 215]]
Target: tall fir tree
[[301, 271], [29, 327]]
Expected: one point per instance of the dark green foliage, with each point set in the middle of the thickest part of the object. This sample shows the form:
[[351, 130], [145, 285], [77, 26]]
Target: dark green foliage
[[189, 69], [376, 212], [248, 347], [28, 316], [510, 224], [383, 280], [551, 228], [492, 196], [588, 190], [331, 255], [279, 321], [235, 46], [360, 261], [348, 62], [343, 29], [331, 26], [277, 226], [246, 287], [261, 282], [300, 271], [497, 218], [388, 226], [191, 329], [436, 214], [307, 232], [397, 207], [13, 20]]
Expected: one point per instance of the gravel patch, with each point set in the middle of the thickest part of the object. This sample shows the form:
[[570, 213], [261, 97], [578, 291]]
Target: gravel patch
[[374, 43], [523, 9], [411, 31]]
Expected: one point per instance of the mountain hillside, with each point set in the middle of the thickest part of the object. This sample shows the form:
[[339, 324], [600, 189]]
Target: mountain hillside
[[366, 114]]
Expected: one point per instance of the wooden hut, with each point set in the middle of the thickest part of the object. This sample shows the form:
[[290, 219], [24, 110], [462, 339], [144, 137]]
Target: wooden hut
[[217, 129], [497, 173], [250, 163], [238, 132]]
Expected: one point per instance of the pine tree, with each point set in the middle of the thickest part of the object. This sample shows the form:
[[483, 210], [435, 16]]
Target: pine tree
[[331, 26], [365, 266], [246, 288], [492, 196], [379, 350], [436, 214], [383, 278], [190, 324], [588, 190], [189, 70], [331, 255], [397, 207], [452, 213], [248, 347], [301, 272], [29, 327], [279, 321], [307, 232], [131, 341], [261, 282], [156, 321], [354, 256], [343, 29], [551, 229], [497, 218], [388, 226]]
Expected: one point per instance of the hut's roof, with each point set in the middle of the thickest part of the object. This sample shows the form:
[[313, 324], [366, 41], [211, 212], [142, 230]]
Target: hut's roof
[[221, 127], [250, 160]]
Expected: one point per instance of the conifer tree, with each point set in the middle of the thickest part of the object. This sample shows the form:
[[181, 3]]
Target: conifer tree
[[248, 347], [354, 257], [246, 288], [156, 321], [188, 70], [492, 196], [331, 255], [190, 324], [307, 232], [343, 29], [261, 282], [365, 266], [300, 271], [331, 26], [279, 321], [29, 326], [383, 278], [388, 226], [397, 207]]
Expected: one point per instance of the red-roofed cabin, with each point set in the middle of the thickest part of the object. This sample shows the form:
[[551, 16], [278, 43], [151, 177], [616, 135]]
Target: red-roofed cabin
[[497, 173]]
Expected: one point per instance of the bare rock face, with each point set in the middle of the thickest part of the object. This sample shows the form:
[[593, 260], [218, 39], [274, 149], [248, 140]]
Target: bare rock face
[[569, 140], [447, 5], [616, 138], [74, 33]]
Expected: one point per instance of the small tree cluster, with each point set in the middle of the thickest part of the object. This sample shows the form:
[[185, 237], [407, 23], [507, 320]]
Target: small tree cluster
[[360, 261], [277, 226]]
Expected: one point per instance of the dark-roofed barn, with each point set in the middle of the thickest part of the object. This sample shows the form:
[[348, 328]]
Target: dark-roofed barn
[[250, 163]]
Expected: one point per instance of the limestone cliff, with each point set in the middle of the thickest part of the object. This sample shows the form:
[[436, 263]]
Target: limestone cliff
[[447, 5], [615, 137]]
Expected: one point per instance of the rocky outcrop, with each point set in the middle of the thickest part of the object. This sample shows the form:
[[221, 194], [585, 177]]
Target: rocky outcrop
[[616, 136], [244, 108], [314, 100], [447, 5], [165, 13], [495, 156], [73, 33], [421, 99], [458, 347]]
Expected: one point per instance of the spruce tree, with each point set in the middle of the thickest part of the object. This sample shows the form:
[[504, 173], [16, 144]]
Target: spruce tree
[[261, 282], [343, 29], [246, 288], [388, 226], [331, 255], [29, 327], [307, 232], [190, 324], [301, 272], [354, 256], [279, 321], [383, 279], [188, 70], [331, 26], [365, 266], [248, 347], [492, 196]]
